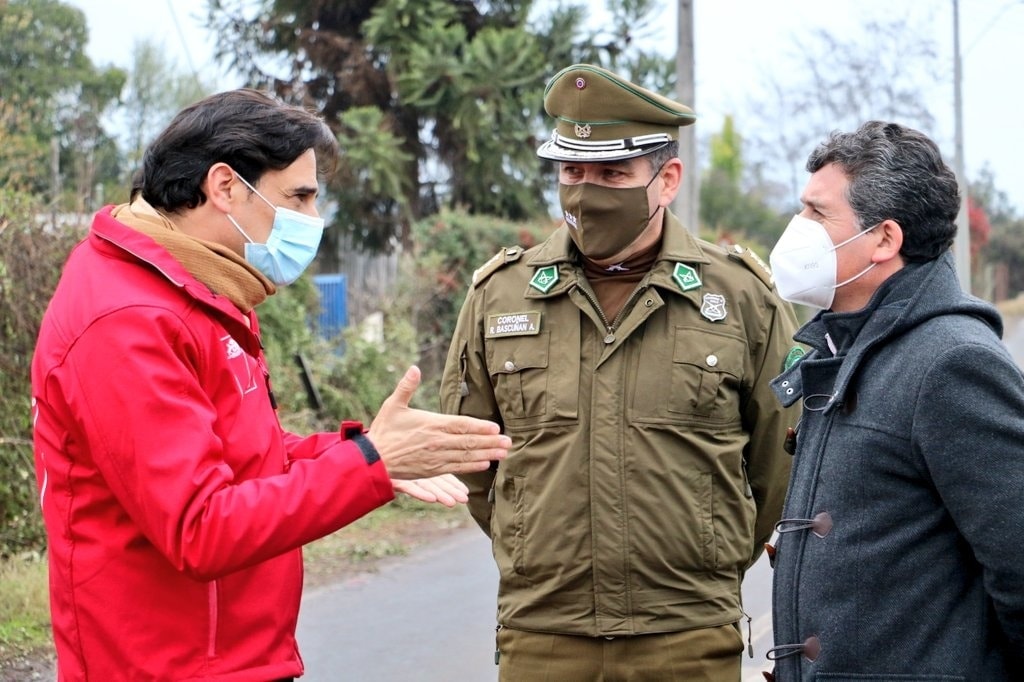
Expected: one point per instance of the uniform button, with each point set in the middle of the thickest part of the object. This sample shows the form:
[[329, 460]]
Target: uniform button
[[712, 360], [509, 366], [649, 302]]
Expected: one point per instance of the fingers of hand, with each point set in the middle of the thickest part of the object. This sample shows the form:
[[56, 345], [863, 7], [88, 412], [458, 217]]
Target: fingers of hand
[[474, 453], [476, 448], [470, 425], [444, 489], [415, 490], [497, 441], [472, 467], [446, 499], [452, 484], [447, 486]]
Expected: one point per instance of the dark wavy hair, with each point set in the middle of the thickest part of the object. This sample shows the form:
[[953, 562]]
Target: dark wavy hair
[[249, 130], [896, 173]]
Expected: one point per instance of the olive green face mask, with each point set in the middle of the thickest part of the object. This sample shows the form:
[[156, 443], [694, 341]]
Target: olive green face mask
[[604, 220]]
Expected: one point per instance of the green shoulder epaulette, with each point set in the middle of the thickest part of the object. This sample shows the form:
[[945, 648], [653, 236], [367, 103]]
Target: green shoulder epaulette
[[753, 263], [509, 254]]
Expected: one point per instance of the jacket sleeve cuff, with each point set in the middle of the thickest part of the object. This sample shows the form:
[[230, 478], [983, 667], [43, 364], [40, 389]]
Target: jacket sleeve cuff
[[354, 431]]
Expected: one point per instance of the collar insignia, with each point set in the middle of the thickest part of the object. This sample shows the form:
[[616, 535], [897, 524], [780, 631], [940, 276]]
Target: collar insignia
[[793, 357], [545, 278], [686, 277]]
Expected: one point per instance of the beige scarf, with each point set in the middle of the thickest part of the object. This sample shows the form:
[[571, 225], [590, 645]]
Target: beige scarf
[[216, 266], [614, 287]]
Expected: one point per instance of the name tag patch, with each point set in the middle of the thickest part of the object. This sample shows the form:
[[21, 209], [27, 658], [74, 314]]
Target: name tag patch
[[513, 324]]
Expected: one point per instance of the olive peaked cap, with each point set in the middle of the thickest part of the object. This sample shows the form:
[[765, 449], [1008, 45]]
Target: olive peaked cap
[[602, 117]]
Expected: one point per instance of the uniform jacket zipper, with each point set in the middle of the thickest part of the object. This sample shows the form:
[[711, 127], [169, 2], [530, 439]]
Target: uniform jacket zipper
[[609, 328]]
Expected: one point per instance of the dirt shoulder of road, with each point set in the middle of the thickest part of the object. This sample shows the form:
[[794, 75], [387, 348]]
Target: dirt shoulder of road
[[366, 547]]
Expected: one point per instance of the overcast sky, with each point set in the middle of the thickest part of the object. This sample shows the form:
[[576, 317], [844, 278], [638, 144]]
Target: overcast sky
[[736, 40]]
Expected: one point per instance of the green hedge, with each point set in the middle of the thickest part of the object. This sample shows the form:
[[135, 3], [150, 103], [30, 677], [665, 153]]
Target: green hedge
[[33, 249], [448, 248]]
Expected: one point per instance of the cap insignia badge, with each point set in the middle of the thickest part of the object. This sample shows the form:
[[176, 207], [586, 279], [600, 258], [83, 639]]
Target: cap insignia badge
[[581, 83], [713, 307], [544, 279], [686, 277], [583, 131]]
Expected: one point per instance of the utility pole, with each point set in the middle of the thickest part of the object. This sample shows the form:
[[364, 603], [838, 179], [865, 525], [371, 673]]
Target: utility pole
[[962, 242], [687, 203], [55, 184]]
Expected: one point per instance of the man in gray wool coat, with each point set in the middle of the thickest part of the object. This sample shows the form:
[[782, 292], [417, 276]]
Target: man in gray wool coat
[[901, 550]]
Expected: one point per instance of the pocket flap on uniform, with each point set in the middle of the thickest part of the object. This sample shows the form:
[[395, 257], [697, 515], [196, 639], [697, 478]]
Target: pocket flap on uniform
[[712, 352], [514, 354]]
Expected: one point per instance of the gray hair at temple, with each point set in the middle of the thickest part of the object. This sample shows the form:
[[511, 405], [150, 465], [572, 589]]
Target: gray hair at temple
[[659, 157], [896, 173]]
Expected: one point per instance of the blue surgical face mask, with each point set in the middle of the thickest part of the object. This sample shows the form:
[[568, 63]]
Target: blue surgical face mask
[[291, 246]]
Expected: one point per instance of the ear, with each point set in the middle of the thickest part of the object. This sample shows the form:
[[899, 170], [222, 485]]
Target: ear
[[671, 176], [221, 187], [890, 241]]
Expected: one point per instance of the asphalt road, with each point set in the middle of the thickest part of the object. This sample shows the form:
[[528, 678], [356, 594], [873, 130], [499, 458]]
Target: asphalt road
[[1013, 336], [430, 618]]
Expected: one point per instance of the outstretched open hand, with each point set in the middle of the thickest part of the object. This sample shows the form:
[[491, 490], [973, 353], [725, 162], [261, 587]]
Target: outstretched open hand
[[419, 444]]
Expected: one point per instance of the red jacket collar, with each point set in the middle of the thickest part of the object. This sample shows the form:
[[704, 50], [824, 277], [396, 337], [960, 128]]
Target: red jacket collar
[[123, 242]]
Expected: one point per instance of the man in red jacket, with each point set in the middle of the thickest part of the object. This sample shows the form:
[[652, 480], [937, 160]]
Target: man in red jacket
[[174, 502]]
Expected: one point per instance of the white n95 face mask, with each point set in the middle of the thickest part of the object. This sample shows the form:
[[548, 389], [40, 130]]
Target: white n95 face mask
[[803, 263]]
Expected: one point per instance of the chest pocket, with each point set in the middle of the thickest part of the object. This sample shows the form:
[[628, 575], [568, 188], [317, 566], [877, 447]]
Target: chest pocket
[[526, 388], [699, 379]]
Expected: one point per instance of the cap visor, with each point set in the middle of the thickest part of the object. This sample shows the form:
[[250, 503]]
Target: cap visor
[[554, 152]]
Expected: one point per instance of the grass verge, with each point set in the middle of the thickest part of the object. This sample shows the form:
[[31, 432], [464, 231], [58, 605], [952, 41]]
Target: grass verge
[[24, 614]]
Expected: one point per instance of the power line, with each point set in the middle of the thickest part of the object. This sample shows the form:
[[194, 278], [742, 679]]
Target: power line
[[184, 44], [992, 23]]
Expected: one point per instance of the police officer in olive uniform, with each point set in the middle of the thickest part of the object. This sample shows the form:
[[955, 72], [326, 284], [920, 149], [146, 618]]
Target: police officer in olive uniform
[[629, 363]]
